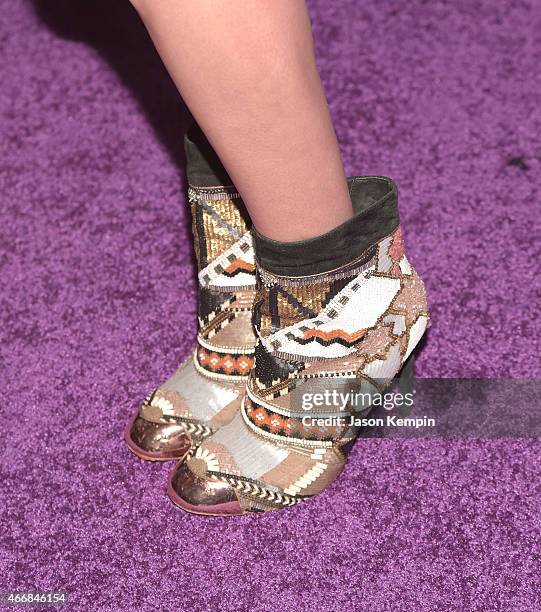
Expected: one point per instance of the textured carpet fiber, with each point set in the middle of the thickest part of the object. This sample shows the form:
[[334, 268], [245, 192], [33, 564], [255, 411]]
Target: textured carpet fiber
[[98, 306]]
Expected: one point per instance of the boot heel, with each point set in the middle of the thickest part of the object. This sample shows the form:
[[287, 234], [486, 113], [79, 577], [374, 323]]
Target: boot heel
[[406, 384], [407, 375]]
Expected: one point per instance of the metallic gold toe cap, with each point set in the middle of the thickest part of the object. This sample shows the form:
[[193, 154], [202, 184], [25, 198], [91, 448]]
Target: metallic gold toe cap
[[156, 441], [201, 495]]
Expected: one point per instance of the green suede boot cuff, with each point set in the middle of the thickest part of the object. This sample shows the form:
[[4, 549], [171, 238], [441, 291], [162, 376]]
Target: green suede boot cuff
[[375, 202]]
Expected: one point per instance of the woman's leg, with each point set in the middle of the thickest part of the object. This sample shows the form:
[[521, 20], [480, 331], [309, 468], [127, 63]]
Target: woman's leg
[[246, 70]]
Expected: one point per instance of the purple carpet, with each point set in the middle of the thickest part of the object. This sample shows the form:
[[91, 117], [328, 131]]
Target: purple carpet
[[98, 306]]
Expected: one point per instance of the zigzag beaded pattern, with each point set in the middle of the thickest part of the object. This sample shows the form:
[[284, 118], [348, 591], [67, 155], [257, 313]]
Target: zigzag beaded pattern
[[194, 428], [231, 263], [249, 487]]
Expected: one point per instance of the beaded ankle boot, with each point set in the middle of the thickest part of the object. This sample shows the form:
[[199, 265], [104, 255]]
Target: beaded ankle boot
[[205, 392], [340, 311]]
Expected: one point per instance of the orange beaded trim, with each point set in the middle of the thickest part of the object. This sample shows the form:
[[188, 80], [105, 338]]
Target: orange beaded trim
[[224, 363]]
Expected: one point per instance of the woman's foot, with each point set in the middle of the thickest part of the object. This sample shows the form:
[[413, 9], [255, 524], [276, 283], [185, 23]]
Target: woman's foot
[[334, 312]]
